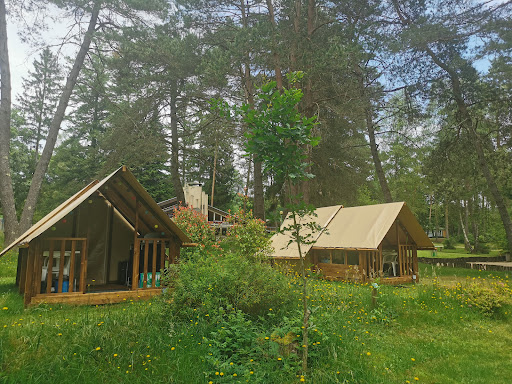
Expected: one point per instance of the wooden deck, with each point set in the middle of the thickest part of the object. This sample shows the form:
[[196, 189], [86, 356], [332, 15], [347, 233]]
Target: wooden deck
[[491, 266], [95, 298]]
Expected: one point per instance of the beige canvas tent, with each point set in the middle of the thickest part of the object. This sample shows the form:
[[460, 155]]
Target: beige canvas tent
[[106, 243], [360, 243]]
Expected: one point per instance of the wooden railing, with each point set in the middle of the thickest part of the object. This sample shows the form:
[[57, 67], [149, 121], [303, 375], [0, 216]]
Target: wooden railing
[[158, 249], [372, 267], [59, 245], [406, 259]]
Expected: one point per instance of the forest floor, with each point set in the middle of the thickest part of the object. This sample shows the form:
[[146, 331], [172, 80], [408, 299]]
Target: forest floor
[[426, 333]]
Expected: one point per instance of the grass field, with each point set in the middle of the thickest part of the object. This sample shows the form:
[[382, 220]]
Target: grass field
[[426, 333], [459, 251]]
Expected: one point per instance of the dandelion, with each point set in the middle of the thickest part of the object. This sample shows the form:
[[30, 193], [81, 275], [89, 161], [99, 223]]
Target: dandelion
[[5, 308], [368, 353], [413, 359], [98, 348]]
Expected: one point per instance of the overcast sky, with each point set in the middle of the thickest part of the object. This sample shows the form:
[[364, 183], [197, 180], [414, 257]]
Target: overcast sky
[[22, 55]]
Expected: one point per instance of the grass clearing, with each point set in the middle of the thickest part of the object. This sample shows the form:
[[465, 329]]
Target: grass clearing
[[422, 333]]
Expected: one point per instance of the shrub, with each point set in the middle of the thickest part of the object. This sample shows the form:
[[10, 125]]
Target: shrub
[[449, 243], [195, 225], [243, 348], [247, 236], [488, 299], [203, 285], [483, 248]]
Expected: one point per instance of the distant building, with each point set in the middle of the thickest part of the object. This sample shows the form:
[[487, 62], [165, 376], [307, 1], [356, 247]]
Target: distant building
[[196, 198], [439, 233]]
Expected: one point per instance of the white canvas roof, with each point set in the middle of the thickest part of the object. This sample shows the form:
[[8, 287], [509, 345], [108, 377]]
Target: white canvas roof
[[355, 228]]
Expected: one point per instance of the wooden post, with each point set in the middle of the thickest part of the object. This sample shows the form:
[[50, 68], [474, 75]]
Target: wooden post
[[71, 276], [400, 261], [415, 263], [136, 259], [38, 267], [375, 296], [362, 269], [61, 265], [146, 251], [23, 255], [162, 255], [174, 250], [83, 266], [381, 261], [29, 275], [136, 249], [153, 270], [49, 275]]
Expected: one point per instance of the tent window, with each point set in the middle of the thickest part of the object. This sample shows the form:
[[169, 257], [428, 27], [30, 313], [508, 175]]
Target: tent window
[[338, 256], [353, 257], [323, 255]]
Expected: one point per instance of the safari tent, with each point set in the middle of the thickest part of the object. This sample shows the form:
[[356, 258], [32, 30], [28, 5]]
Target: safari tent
[[360, 243], [107, 243]]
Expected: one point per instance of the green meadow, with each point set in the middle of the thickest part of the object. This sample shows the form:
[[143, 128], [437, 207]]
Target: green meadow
[[441, 330]]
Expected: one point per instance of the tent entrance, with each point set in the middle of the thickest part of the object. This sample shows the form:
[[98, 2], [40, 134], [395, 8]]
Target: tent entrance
[[149, 260]]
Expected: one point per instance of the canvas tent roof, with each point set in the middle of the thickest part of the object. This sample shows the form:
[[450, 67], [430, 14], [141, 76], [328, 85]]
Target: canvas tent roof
[[125, 193], [354, 228]]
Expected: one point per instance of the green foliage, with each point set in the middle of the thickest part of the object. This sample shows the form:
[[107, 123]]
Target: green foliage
[[195, 225], [247, 236], [245, 349], [207, 283], [348, 342], [487, 299], [449, 243], [277, 132], [482, 248]]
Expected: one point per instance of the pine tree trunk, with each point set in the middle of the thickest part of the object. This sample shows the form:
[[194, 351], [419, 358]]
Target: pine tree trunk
[[275, 54], [381, 176], [259, 201], [7, 201], [214, 171], [446, 221], [42, 165], [370, 126], [175, 163]]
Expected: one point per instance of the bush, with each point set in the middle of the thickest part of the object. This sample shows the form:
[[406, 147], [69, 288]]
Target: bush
[[203, 286], [487, 299], [195, 225], [449, 243], [483, 248], [247, 349], [247, 236]]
